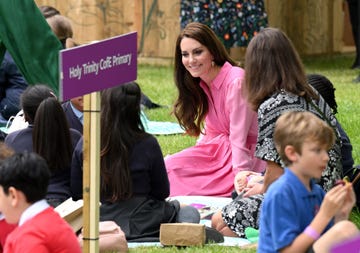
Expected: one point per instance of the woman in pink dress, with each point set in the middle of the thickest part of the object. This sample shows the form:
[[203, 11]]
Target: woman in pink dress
[[210, 104]]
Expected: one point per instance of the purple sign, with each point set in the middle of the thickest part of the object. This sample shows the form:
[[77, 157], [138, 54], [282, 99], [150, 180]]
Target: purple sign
[[349, 246], [97, 66]]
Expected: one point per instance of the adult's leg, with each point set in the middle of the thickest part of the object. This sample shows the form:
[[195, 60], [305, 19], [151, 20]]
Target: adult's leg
[[218, 223], [188, 214], [238, 215]]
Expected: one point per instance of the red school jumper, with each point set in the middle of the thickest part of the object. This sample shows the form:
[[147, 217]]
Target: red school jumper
[[5, 229], [46, 232]]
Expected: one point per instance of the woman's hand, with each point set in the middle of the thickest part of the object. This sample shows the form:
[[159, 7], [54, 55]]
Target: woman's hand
[[253, 189], [245, 180]]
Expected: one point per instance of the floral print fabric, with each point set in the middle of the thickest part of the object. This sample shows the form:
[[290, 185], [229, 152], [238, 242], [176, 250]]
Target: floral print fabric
[[245, 212], [234, 21]]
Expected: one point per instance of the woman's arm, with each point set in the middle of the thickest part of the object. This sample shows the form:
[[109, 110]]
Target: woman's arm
[[273, 172], [242, 129]]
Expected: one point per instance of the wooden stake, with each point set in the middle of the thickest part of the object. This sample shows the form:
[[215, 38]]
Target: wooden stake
[[91, 172]]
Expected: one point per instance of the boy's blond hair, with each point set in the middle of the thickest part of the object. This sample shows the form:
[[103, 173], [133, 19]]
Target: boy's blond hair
[[295, 128]]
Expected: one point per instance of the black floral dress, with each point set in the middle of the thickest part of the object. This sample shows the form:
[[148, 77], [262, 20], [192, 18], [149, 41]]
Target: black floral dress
[[244, 212], [235, 22]]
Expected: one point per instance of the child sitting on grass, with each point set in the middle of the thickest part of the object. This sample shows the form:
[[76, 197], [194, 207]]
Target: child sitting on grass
[[297, 215], [24, 178]]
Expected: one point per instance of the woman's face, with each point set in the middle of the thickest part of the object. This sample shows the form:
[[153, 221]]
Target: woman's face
[[195, 57]]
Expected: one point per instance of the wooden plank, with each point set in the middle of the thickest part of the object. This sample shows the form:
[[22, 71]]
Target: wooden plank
[[315, 26], [169, 26], [160, 28], [138, 20], [339, 24]]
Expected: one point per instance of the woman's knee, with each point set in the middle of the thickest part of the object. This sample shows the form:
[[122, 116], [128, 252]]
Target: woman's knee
[[188, 214], [217, 221]]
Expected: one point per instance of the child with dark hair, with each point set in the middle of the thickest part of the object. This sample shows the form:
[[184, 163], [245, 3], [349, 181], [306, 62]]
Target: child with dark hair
[[134, 184], [326, 89], [296, 214], [24, 178], [48, 135]]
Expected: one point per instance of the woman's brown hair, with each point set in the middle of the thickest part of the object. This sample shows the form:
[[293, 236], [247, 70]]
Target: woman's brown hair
[[191, 105], [272, 64]]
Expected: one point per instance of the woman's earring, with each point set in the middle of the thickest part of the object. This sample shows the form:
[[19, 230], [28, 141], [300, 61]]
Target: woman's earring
[[212, 64]]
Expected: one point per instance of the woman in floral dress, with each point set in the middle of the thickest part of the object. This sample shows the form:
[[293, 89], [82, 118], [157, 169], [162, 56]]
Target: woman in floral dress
[[280, 85]]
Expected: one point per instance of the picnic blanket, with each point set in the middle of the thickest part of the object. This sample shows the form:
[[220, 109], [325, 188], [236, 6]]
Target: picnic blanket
[[207, 206], [160, 127]]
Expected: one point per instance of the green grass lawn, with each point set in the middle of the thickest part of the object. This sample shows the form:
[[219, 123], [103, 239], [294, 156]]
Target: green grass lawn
[[157, 83]]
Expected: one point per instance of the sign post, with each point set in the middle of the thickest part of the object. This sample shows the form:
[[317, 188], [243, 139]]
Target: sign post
[[89, 69], [91, 172]]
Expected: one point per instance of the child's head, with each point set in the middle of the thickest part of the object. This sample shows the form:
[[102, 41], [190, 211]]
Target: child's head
[[51, 126], [24, 179], [31, 98], [296, 128], [325, 88], [59, 24], [122, 105]]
